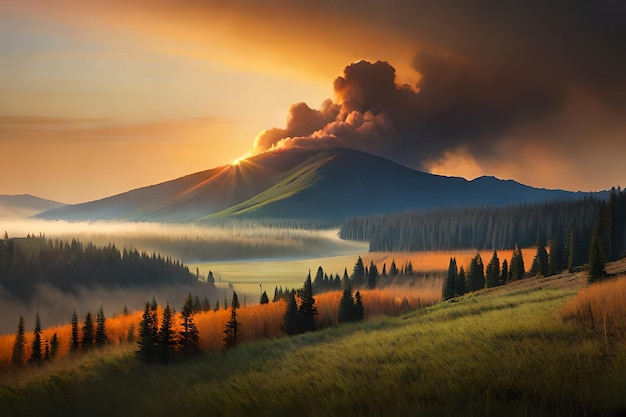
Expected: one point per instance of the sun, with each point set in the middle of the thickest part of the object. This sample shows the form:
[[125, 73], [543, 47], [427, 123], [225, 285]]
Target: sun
[[238, 161]]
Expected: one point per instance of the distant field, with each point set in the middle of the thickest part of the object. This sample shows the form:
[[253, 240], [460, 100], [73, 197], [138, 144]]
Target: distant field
[[247, 275]]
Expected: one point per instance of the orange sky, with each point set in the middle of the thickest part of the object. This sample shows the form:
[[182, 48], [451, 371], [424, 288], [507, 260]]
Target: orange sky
[[97, 98]]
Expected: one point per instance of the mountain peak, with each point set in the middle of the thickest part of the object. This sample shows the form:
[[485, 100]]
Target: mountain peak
[[333, 183]]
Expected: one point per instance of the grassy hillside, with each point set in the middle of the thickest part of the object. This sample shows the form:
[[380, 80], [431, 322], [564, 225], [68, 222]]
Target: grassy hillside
[[503, 351]]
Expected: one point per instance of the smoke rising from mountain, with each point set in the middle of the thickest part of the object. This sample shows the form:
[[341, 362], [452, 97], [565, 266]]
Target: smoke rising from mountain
[[455, 105]]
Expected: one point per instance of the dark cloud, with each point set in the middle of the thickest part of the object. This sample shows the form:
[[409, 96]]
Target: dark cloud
[[455, 104], [489, 73]]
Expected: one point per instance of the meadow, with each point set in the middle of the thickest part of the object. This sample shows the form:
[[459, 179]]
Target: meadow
[[501, 351]]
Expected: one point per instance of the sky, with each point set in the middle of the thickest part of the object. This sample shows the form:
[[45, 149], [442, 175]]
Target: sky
[[100, 97]]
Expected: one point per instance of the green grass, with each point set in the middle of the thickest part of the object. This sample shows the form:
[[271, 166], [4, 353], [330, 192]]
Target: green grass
[[498, 352]]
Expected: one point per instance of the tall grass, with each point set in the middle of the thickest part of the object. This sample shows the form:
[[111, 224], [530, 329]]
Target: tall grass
[[601, 307], [257, 321], [488, 353]]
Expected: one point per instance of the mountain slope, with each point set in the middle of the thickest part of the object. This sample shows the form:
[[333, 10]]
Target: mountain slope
[[305, 184], [24, 205]]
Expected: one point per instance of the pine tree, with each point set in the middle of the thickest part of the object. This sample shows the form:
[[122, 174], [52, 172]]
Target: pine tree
[[346, 306], [217, 305], [460, 287], [449, 289], [307, 309], [596, 265], [206, 305], [197, 306], [167, 336], [358, 273], [555, 258], [87, 332], [318, 282], [36, 354], [358, 307], [504, 274], [264, 298], [75, 342], [18, 345], [232, 327], [101, 335], [543, 262], [493, 271], [372, 277], [516, 268], [146, 352], [291, 315], [476, 274], [393, 269], [188, 337], [384, 272], [54, 345]]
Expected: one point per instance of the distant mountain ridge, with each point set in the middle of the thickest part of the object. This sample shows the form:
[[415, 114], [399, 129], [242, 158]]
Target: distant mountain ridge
[[331, 184], [25, 205]]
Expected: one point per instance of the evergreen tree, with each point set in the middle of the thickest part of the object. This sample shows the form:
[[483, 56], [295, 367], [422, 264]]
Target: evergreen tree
[[264, 298], [232, 327], [197, 306], [146, 352], [504, 274], [225, 303], [36, 354], [358, 273], [358, 307], [54, 345], [154, 324], [87, 332], [217, 305], [291, 315], [384, 272], [346, 306], [372, 277], [206, 306], [516, 268], [188, 337], [555, 258], [75, 342], [476, 274], [18, 345], [595, 268], [167, 336], [307, 309], [101, 335], [393, 269], [449, 289], [276, 298], [210, 279], [543, 261], [408, 270], [318, 284], [493, 271], [460, 286]]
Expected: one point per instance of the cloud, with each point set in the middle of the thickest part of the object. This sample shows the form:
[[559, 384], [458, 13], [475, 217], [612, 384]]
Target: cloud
[[455, 105]]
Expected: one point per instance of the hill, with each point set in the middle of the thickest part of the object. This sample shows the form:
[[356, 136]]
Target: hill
[[501, 351], [24, 205], [304, 184]]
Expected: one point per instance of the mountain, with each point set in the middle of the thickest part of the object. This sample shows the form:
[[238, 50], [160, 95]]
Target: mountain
[[304, 184], [24, 205]]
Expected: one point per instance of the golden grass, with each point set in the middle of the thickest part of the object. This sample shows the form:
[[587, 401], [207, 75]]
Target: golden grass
[[601, 307], [257, 321], [440, 260]]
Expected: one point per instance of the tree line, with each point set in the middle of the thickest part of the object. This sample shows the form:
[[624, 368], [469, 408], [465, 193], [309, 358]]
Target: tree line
[[571, 223], [27, 262]]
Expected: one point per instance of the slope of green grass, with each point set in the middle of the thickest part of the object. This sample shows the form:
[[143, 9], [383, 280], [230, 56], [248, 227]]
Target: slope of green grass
[[300, 179], [500, 352]]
